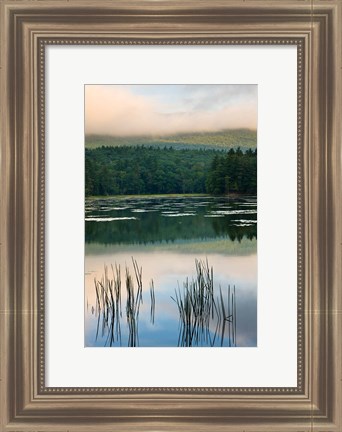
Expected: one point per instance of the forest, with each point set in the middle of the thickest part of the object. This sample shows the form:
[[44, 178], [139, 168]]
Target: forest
[[137, 170]]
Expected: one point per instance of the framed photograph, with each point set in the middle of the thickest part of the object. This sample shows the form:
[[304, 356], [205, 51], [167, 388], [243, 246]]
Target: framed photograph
[[170, 191], [171, 215]]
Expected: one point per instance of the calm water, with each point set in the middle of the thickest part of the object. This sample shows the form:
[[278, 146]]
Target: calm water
[[166, 236]]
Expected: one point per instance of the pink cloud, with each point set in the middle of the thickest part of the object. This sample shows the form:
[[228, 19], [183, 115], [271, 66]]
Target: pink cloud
[[113, 110]]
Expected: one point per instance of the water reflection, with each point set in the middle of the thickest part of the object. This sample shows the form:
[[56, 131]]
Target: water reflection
[[200, 311], [203, 314], [142, 221], [166, 236]]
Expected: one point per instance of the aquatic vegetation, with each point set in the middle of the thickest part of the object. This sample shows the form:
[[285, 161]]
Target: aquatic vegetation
[[207, 315], [201, 314], [161, 220], [153, 301], [109, 304]]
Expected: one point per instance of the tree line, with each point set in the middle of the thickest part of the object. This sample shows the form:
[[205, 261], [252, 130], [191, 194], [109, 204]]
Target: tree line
[[147, 170]]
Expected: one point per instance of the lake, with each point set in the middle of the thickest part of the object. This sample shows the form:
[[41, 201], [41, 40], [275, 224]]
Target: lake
[[199, 251]]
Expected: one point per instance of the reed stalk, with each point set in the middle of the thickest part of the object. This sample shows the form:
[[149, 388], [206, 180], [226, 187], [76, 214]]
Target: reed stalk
[[199, 312]]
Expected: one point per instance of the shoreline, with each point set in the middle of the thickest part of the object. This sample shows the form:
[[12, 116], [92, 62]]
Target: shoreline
[[157, 196]]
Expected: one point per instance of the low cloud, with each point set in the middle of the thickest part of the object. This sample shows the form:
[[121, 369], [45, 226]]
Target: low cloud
[[115, 110]]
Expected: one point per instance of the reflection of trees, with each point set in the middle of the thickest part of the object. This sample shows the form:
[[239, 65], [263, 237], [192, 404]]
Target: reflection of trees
[[222, 227], [152, 228], [160, 220]]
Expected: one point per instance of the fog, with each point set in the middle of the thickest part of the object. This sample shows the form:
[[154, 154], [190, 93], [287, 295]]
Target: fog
[[123, 111]]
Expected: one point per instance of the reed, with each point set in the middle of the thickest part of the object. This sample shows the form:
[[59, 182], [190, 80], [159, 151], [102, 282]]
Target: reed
[[109, 303], [200, 314], [207, 315], [153, 301]]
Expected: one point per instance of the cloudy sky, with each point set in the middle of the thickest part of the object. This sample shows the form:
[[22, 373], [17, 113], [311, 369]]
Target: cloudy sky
[[156, 110]]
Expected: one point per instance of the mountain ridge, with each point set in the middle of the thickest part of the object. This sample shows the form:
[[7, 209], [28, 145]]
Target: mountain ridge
[[220, 140]]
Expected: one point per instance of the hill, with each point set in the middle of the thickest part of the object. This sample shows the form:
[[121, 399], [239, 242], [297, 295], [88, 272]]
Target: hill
[[221, 140]]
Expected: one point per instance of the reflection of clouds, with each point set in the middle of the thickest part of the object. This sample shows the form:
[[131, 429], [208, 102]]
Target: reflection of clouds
[[168, 270], [246, 319]]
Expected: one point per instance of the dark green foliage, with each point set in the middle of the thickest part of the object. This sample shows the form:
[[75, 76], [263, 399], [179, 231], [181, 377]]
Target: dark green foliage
[[233, 172], [148, 170]]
